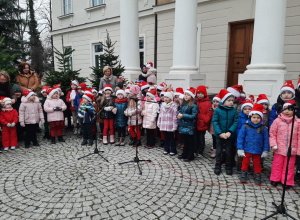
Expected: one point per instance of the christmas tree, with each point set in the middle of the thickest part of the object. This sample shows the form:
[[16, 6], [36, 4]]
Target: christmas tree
[[107, 59]]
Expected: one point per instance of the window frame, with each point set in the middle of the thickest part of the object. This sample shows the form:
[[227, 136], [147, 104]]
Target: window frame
[[71, 56], [142, 50], [92, 3], [69, 2], [94, 53]]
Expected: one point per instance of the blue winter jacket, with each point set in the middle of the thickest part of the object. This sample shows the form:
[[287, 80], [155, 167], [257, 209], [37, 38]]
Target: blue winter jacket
[[242, 119], [225, 120], [86, 113], [187, 124], [76, 101], [121, 119], [253, 139]]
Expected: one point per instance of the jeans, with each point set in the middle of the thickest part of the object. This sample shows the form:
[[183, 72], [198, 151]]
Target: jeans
[[170, 142], [227, 145]]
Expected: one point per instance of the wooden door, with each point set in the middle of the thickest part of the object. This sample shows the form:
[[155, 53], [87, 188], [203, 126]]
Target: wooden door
[[240, 49]]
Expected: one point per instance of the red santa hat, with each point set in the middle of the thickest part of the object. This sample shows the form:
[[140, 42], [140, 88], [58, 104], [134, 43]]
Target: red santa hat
[[88, 91], [217, 98], [201, 89], [7, 101], [251, 97], [75, 82], [152, 93], [225, 94], [44, 89], [150, 64], [127, 90], [298, 84], [163, 93], [143, 85], [257, 110], [94, 91], [28, 93], [51, 92], [288, 86], [262, 98], [121, 91], [107, 87], [57, 86], [290, 102], [179, 91], [162, 86], [246, 103], [89, 97], [191, 91], [236, 90], [82, 86]]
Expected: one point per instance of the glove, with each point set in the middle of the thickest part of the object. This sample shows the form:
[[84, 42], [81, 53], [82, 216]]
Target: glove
[[241, 153], [57, 108], [43, 121], [264, 154], [8, 125], [275, 147], [115, 110], [13, 124], [22, 124]]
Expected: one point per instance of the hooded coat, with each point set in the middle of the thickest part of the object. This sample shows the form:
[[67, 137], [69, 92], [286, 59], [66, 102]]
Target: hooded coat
[[205, 113], [30, 112], [149, 112], [49, 106]]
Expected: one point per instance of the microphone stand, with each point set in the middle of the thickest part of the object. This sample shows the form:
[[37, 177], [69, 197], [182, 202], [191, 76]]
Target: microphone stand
[[136, 158], [96, 150], [280, 209]]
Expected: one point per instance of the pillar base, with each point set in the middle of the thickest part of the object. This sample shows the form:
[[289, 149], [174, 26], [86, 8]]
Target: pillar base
[[184, 79], [263, 81], [132, 74]]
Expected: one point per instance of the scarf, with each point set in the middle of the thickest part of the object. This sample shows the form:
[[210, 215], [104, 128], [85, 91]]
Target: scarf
[[72, 96], [108, 78], [121, 100], [167, 106]]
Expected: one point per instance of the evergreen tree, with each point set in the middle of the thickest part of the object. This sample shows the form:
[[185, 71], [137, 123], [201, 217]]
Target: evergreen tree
[[65, 74], [107, 59]]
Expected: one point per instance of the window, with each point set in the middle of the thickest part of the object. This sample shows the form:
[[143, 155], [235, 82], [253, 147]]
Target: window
[[67, 7], [69, 63], [98, 51], [97, 2], [142, 51]]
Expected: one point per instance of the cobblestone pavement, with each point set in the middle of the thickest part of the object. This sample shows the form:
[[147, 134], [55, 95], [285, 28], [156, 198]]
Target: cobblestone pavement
[[48, 182]]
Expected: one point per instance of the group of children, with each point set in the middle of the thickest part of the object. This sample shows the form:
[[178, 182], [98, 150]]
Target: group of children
[[239, 127]]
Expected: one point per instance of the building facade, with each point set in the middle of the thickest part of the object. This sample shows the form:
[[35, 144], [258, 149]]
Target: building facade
[[190, 42]]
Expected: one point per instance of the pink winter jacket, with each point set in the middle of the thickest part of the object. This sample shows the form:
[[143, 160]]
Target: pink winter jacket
[[150, 110], [30, 112], [52, 115], [131, 113], [280, 132]]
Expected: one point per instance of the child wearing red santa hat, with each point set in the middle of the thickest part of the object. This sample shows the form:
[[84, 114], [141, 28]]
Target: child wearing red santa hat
[[70, 100]]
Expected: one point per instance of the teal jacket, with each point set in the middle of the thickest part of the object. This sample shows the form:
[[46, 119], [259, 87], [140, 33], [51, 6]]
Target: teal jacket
[[225, 120], [187, 125]]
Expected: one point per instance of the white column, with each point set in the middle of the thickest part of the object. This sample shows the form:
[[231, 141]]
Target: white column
[[129, 38], [184, 72], [267, 73]]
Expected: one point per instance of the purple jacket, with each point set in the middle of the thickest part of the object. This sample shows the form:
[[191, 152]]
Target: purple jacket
[[167, 119]]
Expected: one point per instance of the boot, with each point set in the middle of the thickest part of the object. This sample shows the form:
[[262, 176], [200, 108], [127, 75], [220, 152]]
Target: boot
[[122, 141], [91, 142], [105, 140], [213, 153], [218, 169], [60, 139], [132, 142], [238, 168], [36, 144], [118, 142], [84, 142], [297, 176], [257, 178], [139, 143], [112, 139], [243, 177], [162, 143], [228, 170], [46, 136], [53, 140]]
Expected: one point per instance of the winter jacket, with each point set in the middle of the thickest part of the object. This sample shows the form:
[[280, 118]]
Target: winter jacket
[[72, 106], [17, 104], [131, 113], [151, 76], [52, 115], [113, 82], [187, 124], [225, 120], [242, 119], [280, 133], [167, 119], [253, 139], [86, 113], [121, 119], [30, 112], [107, 114], [149, 112], [9, 116], [77, 101], [205, 113], [28, 81], [275, 107]]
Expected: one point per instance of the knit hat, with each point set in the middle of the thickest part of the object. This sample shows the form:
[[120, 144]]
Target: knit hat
[[135, 89], [288, 86], [201, 89], [144, 85], [225, 94], [94, 90], [236, 90], [262, 98], [217, 98], [51, 92], [121, 91], [152, 93], [287, 103], [75, 82], [107, 87], [246, 103], [179, 91], [82, 86], [89, 97], [162, 86], [191, 91], [127, 90], [45, 88], [7, 101], [257, 109], [28, 93], [16, 88], [298, 84], [142, 66], [57, 86], [169, 95]]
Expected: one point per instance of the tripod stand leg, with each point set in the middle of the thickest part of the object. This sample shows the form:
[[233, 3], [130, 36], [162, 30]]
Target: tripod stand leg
[[85, 156], [139, 168], [126, 162], [270, 216], [102, 156], [290, 216]]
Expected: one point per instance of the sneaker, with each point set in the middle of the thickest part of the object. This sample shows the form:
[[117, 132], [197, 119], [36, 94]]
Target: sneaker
[[181, 157], [13, 148], [217, 170], [172, 154], [165, 152], [6, 148]]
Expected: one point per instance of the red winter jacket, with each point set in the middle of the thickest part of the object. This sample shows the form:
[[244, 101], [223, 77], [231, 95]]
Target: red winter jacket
[[205, 113], [72, 108], [9, 117]]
